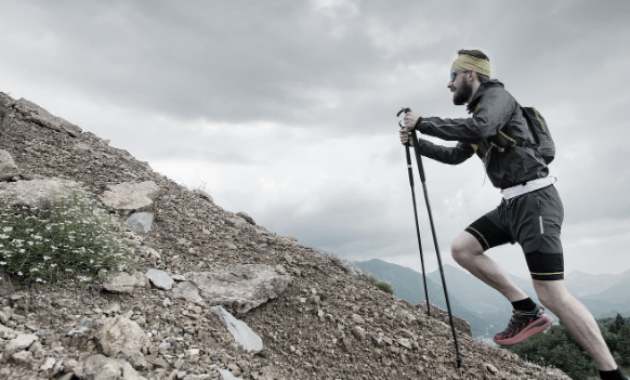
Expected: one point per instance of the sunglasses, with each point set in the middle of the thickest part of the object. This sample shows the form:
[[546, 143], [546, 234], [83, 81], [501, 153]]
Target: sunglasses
[[454, 74]]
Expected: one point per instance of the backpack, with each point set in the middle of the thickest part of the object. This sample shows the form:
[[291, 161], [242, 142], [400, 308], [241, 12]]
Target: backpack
[[542, 136], [537, 124]]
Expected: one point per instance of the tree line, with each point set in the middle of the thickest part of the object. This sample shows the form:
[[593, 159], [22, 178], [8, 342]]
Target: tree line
[[556, 347]]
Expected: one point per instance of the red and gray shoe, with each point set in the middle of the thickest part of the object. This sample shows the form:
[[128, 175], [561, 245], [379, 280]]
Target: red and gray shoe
[[523, 325]]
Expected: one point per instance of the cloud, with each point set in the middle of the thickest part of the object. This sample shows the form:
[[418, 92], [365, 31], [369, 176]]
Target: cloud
[[286, 110]]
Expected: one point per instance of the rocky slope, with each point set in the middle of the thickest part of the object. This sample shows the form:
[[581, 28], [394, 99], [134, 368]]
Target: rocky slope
[[312, 316]]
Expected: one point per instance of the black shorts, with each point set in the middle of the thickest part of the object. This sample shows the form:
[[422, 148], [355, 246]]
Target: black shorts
[[534, 220]]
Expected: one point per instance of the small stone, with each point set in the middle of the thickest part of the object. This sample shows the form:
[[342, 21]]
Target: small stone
[[358, 319], [358, 332], [178, 277], [166, 302], [48, 364]]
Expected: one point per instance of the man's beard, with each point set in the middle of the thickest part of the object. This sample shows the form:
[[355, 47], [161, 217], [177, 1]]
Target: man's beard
[[462, 94]]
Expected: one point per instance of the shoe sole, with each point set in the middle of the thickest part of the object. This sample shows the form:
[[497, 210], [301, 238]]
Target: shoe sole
[[534, 329]]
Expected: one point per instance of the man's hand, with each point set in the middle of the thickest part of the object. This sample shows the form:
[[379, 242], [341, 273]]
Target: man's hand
[[405, 137], [410, 120]]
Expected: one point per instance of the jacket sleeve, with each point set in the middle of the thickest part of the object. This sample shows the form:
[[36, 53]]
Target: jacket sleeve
[[448, 155], [492, 113]]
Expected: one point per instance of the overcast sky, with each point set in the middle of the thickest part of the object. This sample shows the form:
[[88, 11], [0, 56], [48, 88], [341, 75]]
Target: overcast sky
[[286, 109]]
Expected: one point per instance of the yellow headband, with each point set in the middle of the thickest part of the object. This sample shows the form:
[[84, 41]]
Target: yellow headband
[[468, 62]]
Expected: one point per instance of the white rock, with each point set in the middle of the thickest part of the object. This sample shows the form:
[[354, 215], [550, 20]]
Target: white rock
[[240, 288], [242, 333], [122, 335], [125, 283], [131, 196], [8, 169], [33, 113], [140, 222], [227, 375], [188, 291], [160, 279], [99, 367], [32, 193], [48, 364], [21, 342]]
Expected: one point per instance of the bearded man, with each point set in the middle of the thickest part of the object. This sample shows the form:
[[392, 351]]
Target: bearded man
[[530, 212]]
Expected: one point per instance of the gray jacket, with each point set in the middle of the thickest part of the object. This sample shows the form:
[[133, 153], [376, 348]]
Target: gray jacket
[[495, 114]]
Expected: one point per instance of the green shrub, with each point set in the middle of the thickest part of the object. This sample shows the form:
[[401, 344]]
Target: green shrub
[[385, 286], [72, 240]]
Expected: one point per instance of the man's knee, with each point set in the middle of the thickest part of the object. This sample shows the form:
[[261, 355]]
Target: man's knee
[[464, 247]]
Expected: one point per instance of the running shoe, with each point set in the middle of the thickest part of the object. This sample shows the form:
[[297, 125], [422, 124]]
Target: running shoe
[[523, 325]]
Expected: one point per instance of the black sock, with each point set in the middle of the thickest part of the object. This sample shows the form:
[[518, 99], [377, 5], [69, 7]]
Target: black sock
[[524, 305], [612, 375]]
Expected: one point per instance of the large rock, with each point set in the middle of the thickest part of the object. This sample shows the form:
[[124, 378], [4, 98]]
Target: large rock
[[160, 279], [188, 291], [33, 113], [126, 283], [20, 343], [120, 335], [33, 193], [243, 334], [8, 169], [240, 288], [131, 196], [99, 367]]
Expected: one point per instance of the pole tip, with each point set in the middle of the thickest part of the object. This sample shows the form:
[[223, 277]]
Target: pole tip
[[459, 361]]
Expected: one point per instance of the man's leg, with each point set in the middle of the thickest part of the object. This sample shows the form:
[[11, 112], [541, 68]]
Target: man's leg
[[469, 253], [555, 297]]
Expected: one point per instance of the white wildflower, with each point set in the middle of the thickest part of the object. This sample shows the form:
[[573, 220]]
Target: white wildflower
[[46, 257], [3, 263], [19, 273], [39, 280], [7, 229]]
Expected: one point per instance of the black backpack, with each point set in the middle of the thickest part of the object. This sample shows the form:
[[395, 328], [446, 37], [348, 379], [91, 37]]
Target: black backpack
[[538, 126]]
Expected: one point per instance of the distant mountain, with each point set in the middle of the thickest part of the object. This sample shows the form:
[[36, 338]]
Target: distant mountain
[[582, 284], [409, 286], [486, 309]]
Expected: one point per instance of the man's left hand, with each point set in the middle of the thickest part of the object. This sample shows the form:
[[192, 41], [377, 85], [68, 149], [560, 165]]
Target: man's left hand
[[410, 121]]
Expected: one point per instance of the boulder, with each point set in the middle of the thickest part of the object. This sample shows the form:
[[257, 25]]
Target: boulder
[[243, 334], [131, 196], [20, 343], [120, 335], [240, 288], [36, 192], [99, 367], [160, 279], [125, 282], [8, 169], [140, 222], [33, 113], [188, 291]]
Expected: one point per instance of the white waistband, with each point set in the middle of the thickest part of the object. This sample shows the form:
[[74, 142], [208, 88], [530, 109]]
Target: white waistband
[[528, 187]]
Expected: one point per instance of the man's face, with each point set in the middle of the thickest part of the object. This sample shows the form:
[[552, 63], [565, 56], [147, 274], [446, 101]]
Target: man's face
[[461, 89]]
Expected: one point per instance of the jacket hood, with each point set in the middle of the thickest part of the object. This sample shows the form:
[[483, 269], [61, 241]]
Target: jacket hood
[[483, 87]]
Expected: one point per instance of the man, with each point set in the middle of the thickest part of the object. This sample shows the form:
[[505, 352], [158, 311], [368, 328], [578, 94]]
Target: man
[[530, 213]]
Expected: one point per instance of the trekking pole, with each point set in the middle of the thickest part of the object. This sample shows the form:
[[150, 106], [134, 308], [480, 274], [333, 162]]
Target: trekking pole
[[416, 148], [415, 214]]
